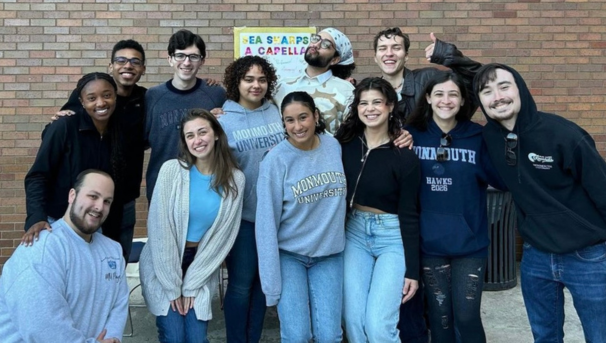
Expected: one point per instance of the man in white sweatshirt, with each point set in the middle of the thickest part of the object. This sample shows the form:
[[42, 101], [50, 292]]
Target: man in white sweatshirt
[[69, 286]]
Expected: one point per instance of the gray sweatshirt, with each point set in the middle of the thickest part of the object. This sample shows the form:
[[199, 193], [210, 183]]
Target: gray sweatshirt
[[301, 207], [165, 106], [63, 289], [251, 133]]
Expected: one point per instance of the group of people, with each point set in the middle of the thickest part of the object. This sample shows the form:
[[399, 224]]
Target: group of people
[[309, 189]]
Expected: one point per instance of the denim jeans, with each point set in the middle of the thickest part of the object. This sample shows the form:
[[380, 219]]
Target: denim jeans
[[454, 294], [374, 277], [175, 328], [412, 325], [127, 228], [312, 298], [244, 304], [544, 277]]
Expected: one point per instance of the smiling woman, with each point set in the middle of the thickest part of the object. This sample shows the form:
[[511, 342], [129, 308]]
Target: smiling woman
[[66, 151]]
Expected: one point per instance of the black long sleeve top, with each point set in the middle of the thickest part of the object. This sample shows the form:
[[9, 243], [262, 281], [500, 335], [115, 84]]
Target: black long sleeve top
[[387, 178]]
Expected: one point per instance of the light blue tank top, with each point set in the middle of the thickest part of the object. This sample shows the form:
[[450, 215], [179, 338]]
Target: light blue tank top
[[204, 205]]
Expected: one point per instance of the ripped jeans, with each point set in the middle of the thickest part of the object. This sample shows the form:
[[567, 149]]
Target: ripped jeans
[[453, 287]]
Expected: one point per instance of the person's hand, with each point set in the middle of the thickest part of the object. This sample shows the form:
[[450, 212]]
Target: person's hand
[[409, 290], [177, 305], [430, 47], [62, 114], [101, 338], [33, 232], [217, 112], [212, 82], [404, 140], [188, 303]]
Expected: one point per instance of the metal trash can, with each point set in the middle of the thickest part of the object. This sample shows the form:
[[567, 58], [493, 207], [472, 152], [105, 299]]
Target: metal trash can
[[501, 265]]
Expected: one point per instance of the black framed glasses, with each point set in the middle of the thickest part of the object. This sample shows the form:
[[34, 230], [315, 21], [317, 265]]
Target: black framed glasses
[[441, 151], [121, 60], [180, 57], [511, 142], [324, 43]]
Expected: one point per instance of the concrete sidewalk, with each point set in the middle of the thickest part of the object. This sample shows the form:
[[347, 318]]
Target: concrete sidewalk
[[503, 315]]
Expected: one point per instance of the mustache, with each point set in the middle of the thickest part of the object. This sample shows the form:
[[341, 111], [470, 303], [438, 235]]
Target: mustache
[[505, 101]]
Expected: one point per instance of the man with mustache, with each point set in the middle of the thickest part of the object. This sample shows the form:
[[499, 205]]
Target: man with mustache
[[557, 179], [330, 61], [70, 286]]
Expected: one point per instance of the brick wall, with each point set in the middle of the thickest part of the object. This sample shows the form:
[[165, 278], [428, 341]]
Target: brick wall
[[558, 46]]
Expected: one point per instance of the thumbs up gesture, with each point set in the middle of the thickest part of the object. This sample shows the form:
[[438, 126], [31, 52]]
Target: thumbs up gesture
[[430, 47]]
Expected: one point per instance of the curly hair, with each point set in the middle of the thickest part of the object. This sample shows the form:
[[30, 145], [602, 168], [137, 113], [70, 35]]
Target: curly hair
[[353, 125], [236, 71], [389, 33]]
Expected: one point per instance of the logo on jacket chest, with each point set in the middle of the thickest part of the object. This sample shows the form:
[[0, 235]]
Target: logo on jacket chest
[[540, 162]]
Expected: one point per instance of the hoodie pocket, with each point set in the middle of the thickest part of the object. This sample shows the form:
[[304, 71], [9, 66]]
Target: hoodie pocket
[[562, 230], [446, 234]]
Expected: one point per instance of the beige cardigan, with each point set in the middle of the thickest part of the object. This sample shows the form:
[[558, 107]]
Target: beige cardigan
[[160, 262]]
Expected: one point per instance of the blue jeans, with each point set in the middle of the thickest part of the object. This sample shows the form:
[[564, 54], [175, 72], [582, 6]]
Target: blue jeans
[[544, 277], [374, 277], [454, 293], [244, 304], [312, 298], [127, 228], [175, 328]]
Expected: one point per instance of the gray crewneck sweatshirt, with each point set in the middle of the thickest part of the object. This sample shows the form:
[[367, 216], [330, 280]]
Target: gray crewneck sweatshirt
[[63, 289], [301, 207], [251, 133]]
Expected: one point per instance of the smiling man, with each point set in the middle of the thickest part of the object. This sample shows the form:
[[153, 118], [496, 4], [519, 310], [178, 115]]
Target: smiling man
[[168, 102], [391, 54], [69, 286], [126, 66], [557, 179], [330, 61]]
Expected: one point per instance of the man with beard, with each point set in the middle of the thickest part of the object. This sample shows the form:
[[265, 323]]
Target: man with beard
[[557, 179], [330, 61], [69, 286], [127, 65]]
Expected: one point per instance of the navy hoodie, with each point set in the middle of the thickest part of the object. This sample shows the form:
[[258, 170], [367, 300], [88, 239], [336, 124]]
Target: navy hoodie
[[452, 197], [558, 181]]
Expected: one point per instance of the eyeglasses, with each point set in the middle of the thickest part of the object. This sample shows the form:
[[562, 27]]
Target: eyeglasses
[[324, 43], [511, 142], [180, 57], [441, 152], [121, 60]]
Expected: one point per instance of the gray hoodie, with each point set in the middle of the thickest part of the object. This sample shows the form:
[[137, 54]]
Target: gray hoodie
[[251, 133]]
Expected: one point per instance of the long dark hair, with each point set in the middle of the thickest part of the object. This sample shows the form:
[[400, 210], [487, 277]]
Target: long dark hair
[[353, 126], [236, 71], [223, 162], [306, 100], [118, 164], [423, 113]]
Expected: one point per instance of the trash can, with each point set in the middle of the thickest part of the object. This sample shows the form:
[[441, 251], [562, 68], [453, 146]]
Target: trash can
[[501, 265]]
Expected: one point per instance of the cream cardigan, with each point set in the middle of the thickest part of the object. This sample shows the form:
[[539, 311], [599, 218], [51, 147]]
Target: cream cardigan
[[160, 262]]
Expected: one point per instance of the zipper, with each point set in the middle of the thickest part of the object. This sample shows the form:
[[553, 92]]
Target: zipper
[[364, 159]]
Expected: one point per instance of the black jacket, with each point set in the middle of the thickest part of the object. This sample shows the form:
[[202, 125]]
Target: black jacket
[[558, 181], [445, 54], [69, 146], [130, 112]]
